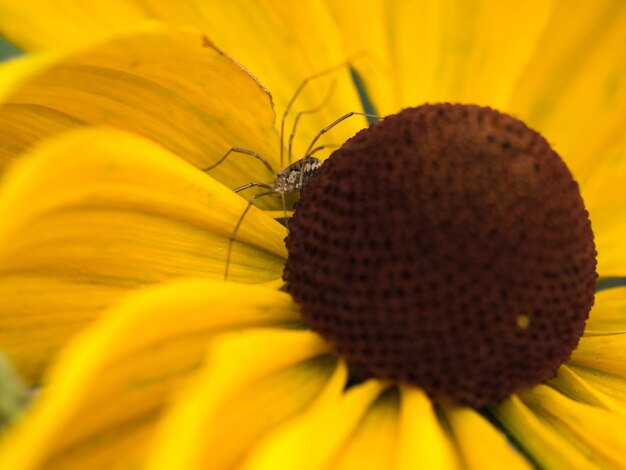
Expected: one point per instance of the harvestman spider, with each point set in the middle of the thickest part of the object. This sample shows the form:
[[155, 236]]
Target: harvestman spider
[[296, 175]]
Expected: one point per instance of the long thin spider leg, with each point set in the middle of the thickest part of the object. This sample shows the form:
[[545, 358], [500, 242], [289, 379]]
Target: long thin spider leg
[[321, 147], [245, 152], [252, 185], [233, 235], [301, 181], [296, 120], [333, 124], [296, 94]]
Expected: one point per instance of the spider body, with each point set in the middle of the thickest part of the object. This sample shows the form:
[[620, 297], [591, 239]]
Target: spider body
[[293, 178]]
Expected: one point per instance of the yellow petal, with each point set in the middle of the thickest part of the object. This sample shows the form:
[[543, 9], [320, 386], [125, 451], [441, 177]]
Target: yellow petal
[[505, 36], [95, 213], [44, 25], [254, 381], [573, 90], [110, 385], [606, 353], [295, 50], [546, 445], [481, 446], [423, 51], [611, 385], [18, 70], [372, 445], [604, 193], [608, 314], [171, 86], [423, 441], [314, 439], [572, 384], [596, 431], [366, 36]]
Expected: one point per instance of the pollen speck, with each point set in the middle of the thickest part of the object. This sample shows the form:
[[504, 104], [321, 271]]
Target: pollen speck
[[523, 321]]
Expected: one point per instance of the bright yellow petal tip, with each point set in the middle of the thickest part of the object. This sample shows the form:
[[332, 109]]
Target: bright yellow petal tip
[[254, 381], [108, 388]]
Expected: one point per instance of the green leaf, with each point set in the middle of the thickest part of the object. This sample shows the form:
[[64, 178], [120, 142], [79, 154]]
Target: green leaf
[[7, 50], [14, 394]]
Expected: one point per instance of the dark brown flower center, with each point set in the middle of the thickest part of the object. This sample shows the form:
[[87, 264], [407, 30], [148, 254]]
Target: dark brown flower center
[[448, 247]]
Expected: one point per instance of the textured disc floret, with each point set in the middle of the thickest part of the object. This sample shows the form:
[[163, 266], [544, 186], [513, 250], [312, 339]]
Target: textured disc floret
[[448, 247]]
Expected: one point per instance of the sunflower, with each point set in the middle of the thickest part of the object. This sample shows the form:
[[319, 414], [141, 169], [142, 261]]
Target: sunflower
[[113, 243]]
